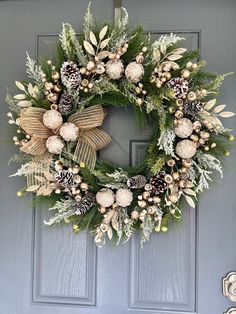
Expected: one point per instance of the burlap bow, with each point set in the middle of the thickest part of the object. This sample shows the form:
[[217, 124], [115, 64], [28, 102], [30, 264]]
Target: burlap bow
[[90, 138]]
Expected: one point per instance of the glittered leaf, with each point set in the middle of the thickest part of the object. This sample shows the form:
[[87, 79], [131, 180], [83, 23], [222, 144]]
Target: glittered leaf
[[104, 43], [32, 188], [227, 114], [190, 192], [179, 51], [20, 85], [89, 48], [19, 96], [93, 38], [190, 201], [103, 32], [174, 57], [210, 104], [24, 103], [219, 108]]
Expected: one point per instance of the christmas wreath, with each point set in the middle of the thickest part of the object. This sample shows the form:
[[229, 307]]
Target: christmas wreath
[[59, 114]]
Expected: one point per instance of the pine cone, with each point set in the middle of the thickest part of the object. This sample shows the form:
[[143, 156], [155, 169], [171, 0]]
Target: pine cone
[[192, 108], [85, 204], [64, 178], [65, 105], [70, 75], [158, 183], [136, 182], [179, 86]]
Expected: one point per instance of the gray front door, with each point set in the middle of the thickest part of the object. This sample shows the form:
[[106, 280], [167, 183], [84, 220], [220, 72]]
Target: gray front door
[[52, 271]]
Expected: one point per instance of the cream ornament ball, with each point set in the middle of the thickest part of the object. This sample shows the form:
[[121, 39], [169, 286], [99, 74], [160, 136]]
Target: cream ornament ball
[[114, 69], [69, 131], [124, 197], [186, 149], [134, 72], [55, 144], [184, 128], [105, 197], [52, 119]]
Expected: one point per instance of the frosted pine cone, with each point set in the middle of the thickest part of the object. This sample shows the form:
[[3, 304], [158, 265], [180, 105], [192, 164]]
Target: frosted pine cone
[[158, 183], [85, 204], [64, 178], [136, 182], [66, 104], [193, 108], [70, 75], [179, 86]]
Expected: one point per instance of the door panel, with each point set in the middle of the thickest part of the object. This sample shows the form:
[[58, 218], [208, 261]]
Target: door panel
[[50, 270]]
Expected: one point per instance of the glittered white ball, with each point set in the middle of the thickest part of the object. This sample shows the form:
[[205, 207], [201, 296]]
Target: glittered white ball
[[69, 131], [52, 119], [134, 72], [124, 197], [184, 128], [186, 149], [114, 69], [55, 144], [105, 197]]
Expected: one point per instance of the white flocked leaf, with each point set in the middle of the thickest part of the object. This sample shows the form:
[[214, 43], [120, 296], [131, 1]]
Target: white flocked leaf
[[103, 54], [24, 103], [156, 55], [179, 51], [103, 32], [104, 43], [19, 96], [20, 85], [163, 48], [210, 104], [174, 57], [93, 38], [219, 108], [190, 192], [227, 114], [89, 48], [190, 201]]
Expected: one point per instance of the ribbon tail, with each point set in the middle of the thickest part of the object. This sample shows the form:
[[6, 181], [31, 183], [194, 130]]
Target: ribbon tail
[[97, 138], [36, 146], [89, 118], [84, 152]]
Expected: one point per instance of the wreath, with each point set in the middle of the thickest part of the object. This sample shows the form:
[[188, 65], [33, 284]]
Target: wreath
[[59, 115]]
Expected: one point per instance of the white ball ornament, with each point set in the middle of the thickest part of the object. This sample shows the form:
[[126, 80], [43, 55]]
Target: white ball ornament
[[69, 131], [52, 119], [134, 72], [114, 69], [105, 197], [124, 197], [55, 144], [186, 149], [184, 128]]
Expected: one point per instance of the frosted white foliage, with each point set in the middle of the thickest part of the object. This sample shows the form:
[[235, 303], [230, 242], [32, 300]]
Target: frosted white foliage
[[65, 209], [34, 71], [209, 161], [167, 40], [166, 142], [204, 178]]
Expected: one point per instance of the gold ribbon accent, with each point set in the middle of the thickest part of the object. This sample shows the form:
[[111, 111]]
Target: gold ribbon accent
[[89, 141]]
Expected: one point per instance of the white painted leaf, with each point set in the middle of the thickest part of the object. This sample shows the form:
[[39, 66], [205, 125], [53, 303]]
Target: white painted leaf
[[190, 201], [104, 43], [20, 85], [93, 38], [49, 176], [190, 184], [210, 104], [227, 114], [19, 96], [89, 48], [163, 48], [41, 190], [174, 57], [156, 55], [216, 121], [24, 103], [103, 32], [32, 188], [190, 192], [31, 89], [179, 51], [47, 191], [36, 90], [110, 233], [103, 54], [219, 108]]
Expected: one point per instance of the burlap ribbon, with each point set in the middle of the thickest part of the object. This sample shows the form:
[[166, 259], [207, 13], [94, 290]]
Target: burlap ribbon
[[90, 138]]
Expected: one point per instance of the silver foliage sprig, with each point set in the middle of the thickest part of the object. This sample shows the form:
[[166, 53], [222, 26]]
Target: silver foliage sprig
[[204, 177], [118, 35], [147, 228], [35, 71], [167, 40], [65, 208], [114, 180], [88, 23], [71, 45], [210, 162], [166, 142]]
